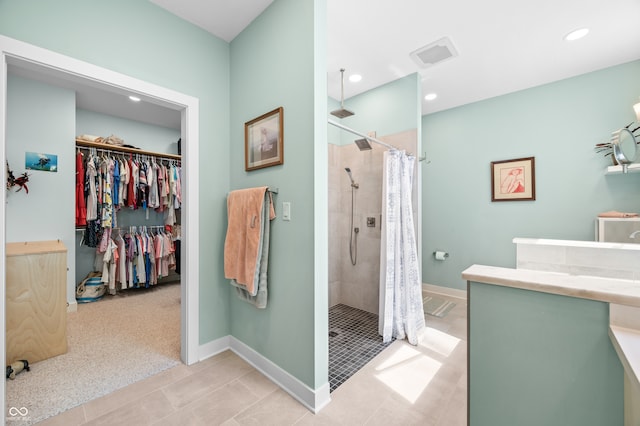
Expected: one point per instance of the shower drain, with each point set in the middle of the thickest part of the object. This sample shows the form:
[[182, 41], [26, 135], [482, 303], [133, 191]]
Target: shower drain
[[333, 333]]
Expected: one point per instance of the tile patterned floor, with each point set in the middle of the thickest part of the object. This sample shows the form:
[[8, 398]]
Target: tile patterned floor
[[353, 342], [422, 385]]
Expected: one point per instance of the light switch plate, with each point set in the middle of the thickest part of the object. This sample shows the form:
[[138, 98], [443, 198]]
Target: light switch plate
[[286, 210]]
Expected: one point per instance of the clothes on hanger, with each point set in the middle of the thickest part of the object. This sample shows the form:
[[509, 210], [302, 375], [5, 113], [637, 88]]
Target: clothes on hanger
[[139, 182], [81, 206], [107, 183], [136, 259]]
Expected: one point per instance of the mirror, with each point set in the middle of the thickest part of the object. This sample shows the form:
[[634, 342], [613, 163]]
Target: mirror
[[624, 147]]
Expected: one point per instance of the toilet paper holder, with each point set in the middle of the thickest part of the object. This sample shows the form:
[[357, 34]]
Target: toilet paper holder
[[440, 255]]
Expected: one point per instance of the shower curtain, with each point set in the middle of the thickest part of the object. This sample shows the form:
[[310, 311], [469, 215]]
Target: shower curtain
[[401, 287]]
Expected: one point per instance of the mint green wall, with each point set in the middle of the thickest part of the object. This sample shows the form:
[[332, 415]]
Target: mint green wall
[[41, 119], [272, 65], [541, 359], [141, 135], [391, 108], [139, 39], [558, 124]]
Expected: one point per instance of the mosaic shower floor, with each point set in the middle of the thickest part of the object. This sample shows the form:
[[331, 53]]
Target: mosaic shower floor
[[353, 342]]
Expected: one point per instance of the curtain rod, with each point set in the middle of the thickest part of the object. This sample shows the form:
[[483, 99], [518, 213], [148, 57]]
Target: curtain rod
[[355, 132], [369, 138]]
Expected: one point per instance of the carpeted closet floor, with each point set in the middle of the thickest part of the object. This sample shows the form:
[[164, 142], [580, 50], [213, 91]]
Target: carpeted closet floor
[[111, 343]]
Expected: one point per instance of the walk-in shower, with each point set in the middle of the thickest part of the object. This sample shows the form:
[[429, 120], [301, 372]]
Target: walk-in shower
[[353, 322], [353, 232], [355, 197]]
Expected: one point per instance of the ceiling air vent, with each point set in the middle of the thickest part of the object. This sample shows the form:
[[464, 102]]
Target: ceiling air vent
[[434, 53]]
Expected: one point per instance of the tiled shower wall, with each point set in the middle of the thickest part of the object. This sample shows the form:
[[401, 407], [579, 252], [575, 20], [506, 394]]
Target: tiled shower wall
[[358, 286]]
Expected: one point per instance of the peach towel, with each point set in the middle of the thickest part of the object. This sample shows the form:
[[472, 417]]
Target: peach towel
[[243, 243], [614, 213]]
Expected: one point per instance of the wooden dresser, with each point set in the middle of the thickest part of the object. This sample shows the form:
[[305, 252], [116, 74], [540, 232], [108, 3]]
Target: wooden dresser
[[36, 302]]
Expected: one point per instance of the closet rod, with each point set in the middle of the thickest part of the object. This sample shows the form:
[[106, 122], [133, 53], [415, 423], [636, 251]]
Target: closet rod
[[115, 148], [120, 228]]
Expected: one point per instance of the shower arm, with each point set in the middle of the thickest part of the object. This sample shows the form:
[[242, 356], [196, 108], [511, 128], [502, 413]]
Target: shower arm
[[342, 88]]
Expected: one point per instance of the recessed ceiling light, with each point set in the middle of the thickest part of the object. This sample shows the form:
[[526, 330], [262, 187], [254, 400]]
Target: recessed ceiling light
[[576, 34], [354, 78], [430, 96], [134, 98]]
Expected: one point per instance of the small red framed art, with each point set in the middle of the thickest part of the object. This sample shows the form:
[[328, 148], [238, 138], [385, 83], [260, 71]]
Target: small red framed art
[[513, 180]]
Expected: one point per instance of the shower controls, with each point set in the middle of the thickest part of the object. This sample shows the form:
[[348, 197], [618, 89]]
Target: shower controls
[[371, 222], [286, 210]]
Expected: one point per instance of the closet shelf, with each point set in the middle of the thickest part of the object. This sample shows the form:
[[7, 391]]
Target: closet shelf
[[86, 144]]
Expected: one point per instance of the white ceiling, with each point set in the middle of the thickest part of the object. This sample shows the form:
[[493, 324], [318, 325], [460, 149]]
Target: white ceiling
[[503, 45], [101, 98], [222, 18]]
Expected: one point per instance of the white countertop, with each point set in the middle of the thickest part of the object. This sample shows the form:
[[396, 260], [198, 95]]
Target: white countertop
[[623, 292]]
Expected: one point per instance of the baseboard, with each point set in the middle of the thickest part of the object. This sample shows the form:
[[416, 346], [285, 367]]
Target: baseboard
[[213, 348], [72, 307], [314, 400], [446, 291]]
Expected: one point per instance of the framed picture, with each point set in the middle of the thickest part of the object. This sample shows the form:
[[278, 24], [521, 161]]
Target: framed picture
[[263, 140], [40, 161], [513, 180]]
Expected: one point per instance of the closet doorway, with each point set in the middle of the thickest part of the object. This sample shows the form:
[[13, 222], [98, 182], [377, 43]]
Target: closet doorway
[[50, 64]]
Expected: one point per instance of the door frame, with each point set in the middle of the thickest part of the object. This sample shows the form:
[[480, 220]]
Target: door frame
[[15, 52]]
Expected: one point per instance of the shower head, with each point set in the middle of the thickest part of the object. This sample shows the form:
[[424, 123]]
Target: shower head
[[342, 112], [353, 184], [348, 170], [363, 144]]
